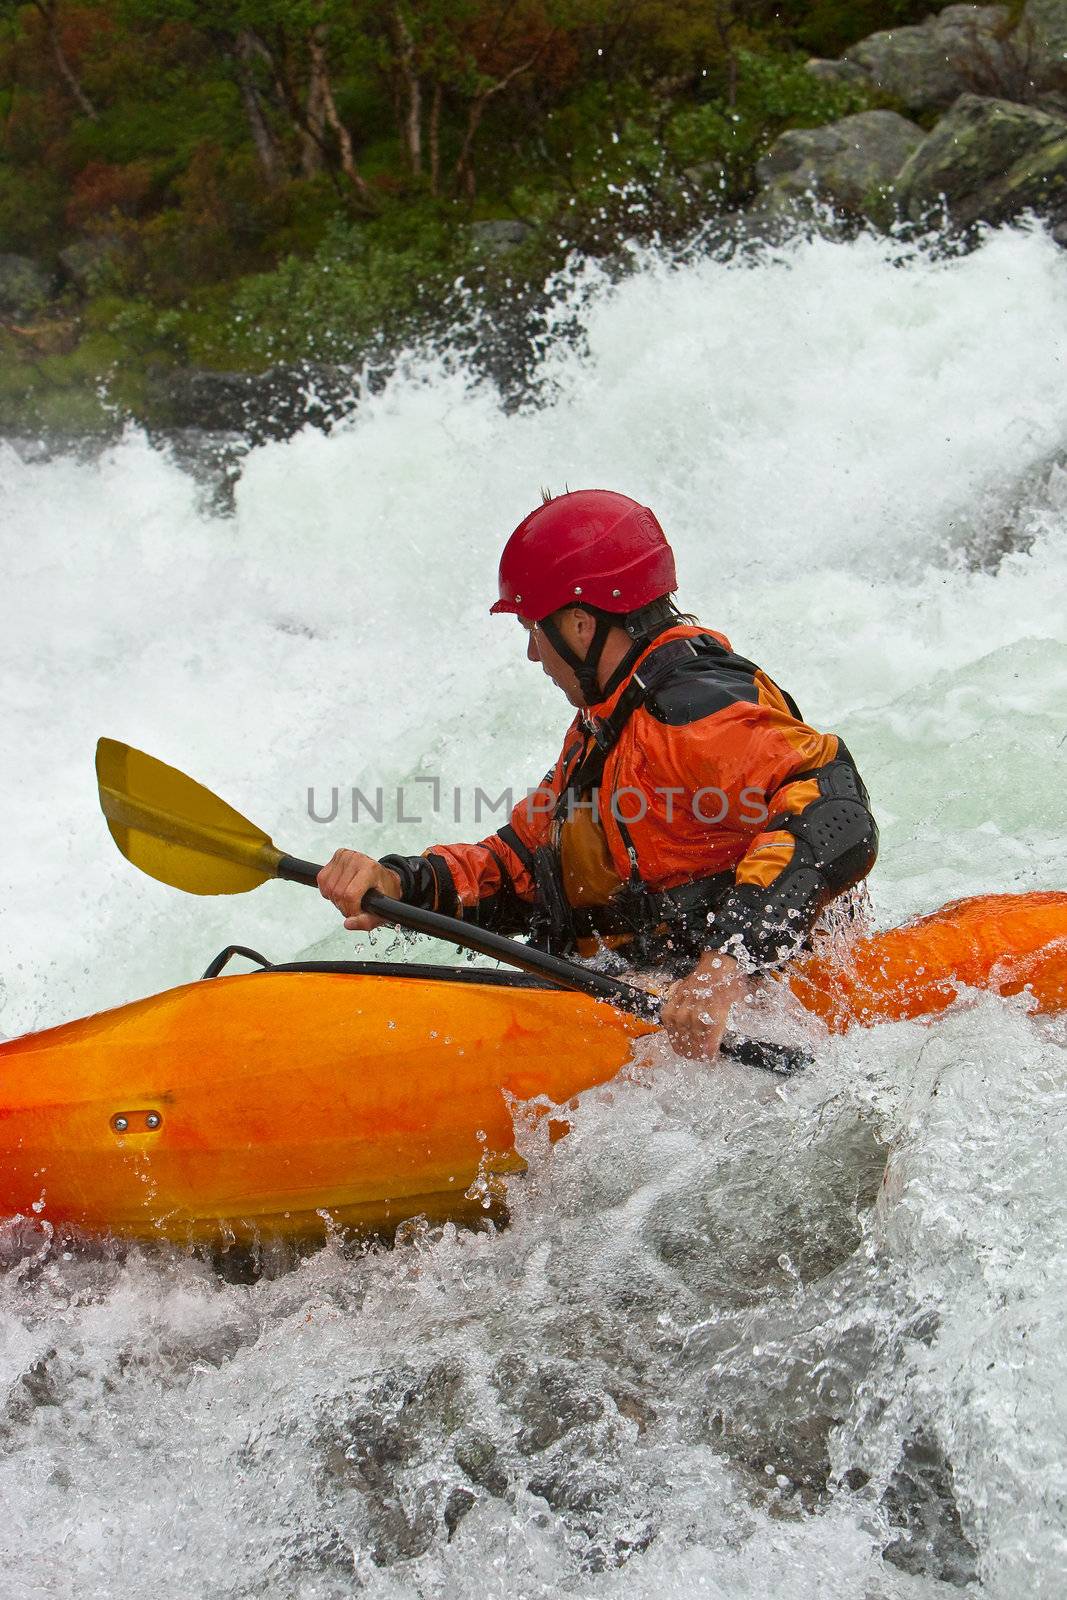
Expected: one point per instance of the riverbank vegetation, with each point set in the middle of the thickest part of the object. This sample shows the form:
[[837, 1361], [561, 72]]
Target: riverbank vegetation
[[231, 184]]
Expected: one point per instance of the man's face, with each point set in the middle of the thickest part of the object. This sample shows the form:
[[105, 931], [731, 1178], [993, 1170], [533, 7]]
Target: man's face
[[576, 627]]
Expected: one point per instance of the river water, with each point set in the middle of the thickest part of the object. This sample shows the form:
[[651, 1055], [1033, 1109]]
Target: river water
[[740, 1338]]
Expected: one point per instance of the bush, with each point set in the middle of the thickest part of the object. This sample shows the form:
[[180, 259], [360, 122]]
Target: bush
[[364, 284], [31, 208], [102, 189], [774, 92]]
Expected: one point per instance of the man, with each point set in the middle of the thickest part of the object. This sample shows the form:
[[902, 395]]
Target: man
[[693, 820]]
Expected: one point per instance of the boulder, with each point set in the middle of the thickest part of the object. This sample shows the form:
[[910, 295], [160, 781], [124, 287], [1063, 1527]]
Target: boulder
[[1041, 42], [848, 164], [829, 71], [25, 286], [273, 404], [706, 178], [988, 161], [499, 236], [927, 66], [768, 221], [1046, 23]]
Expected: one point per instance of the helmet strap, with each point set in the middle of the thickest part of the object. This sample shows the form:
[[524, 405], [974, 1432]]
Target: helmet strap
[[644, 623], [587, 671]]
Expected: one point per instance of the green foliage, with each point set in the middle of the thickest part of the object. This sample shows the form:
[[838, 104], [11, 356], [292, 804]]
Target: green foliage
[[828, 27], [269, 186], [31, 209], [363, 285], [169, 128], [773, 93], [776, 88], [629, 155]]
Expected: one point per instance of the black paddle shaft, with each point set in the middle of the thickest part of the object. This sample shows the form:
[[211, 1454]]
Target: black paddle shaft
[[626, 996]]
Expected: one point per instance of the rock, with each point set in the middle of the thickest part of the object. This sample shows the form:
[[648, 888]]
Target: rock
[[988, 161], [827, 71], [705, 178], [25, 286], [849, 164], [87, 262], [1046, 23], [500, 236], [267, 405], [1041, 43], [927, 66], [477, 1456], [767, 223], [457, 1505]]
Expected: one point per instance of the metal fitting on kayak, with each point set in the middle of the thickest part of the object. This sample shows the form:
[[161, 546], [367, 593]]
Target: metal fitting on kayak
[[136, 1121]]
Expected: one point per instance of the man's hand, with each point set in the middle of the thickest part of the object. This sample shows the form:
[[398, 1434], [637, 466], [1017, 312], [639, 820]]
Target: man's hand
[[695, 1010], [346, 878]]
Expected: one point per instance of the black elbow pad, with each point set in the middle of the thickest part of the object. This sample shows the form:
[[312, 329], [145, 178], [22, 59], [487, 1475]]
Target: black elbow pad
[[836, 846], [840, 839]]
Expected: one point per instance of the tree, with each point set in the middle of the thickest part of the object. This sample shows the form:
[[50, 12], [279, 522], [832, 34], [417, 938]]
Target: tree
[[49, 13], [247, 53], [279, 54], [462, 54]]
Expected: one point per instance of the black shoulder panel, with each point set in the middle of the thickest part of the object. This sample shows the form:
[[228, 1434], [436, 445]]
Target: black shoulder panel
[[701, 686]]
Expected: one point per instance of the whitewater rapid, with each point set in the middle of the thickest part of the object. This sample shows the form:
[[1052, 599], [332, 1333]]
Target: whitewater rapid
[[739, 1339]]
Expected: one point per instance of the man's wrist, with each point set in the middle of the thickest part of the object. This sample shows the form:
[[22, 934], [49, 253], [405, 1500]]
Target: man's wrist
[[405, 869], [425, 881]]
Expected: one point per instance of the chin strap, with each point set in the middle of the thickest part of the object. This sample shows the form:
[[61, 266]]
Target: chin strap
[[587, 671], [642, 626]]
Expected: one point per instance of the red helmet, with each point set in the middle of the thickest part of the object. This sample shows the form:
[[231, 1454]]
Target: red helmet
[[591, 547]]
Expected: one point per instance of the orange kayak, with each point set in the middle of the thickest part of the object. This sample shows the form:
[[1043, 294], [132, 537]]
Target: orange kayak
[[282, 1101]]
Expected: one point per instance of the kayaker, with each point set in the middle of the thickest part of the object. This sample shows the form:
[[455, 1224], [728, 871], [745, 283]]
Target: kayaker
[[693, 821]]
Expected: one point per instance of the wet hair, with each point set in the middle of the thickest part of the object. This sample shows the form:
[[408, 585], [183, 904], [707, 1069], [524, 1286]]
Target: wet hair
[[677, 616]]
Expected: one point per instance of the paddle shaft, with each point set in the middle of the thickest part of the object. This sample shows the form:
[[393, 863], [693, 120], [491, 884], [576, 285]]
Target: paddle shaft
[[177, 831], [627, 996], [496, 945]]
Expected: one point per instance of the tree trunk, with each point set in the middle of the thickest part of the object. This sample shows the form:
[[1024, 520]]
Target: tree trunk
[[463, 172], [435, 140], [320, 77], [725, 18], [312, 147], [411, 124], [267, 152], [313, 131], [48, 10]]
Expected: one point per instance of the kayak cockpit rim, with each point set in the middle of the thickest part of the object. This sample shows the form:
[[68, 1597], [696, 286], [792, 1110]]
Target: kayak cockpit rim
[[421, 971]]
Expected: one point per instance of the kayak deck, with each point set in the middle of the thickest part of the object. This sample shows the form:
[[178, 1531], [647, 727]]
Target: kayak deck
[[282, 1099]]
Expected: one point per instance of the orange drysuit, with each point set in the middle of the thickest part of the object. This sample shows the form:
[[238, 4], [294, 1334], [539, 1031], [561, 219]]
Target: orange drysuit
[[691, 809]]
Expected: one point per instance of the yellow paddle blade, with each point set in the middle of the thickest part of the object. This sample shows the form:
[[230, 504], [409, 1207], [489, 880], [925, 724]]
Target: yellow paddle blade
[[176, 830]]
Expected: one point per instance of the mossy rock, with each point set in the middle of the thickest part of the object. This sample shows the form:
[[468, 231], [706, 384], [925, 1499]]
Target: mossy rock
[[987, 161], [927, 66], [849, 164]]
